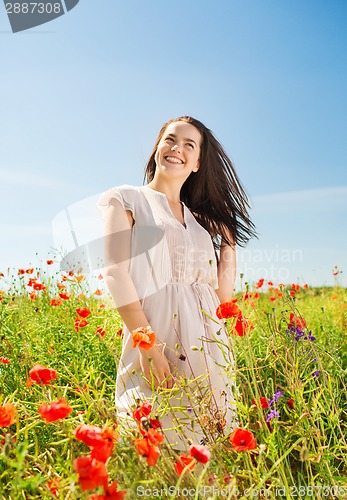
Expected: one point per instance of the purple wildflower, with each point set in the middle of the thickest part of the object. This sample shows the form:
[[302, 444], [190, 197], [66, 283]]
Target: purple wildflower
[[299, 333], [310, 337], [316, 373], [278, 394], [272, 414]]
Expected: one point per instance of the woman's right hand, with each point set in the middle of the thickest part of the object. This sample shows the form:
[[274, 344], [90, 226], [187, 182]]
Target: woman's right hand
[[155, 367]]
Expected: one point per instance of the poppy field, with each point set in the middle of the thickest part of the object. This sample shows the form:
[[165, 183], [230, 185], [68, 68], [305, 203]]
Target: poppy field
[[61, 337]]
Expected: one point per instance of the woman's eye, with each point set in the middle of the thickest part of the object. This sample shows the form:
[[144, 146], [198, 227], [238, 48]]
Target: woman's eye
[[169, 139], [189, 144]]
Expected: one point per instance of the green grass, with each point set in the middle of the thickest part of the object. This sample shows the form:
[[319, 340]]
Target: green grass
[[304, 447]]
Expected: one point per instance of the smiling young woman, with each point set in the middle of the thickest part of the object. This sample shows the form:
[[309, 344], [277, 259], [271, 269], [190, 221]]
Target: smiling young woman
[[163, 271]]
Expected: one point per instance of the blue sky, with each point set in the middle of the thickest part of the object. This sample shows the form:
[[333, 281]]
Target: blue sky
[[84, 96]]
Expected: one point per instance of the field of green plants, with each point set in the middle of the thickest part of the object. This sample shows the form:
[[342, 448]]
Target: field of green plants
[[59, 437]]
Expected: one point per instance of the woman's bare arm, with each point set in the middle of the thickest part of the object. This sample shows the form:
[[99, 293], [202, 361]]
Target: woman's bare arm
[[117, 236]]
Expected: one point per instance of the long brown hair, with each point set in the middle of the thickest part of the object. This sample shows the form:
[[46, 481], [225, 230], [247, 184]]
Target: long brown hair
[[214, 193]]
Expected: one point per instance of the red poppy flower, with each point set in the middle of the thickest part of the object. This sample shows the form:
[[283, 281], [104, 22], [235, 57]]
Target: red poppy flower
[[296, 321], [53, 486], [100, 331], [55, 411], [228, 310], [184, 463], [21, 271], [200, 453], [147, 426], [290, 403], [30, 270], [56, 302], [305, 286], [64, 296], [142, 411], [263, 403], [242, 327], [80, 323], [89, 435], [98, 292], [143, 337], [39, 286], [41, 375], [83, 312], [91, 473], [111, 493], [104, 450], [147, 449], [5, 360], [81, 389], [50, 262], [155, 437], [7, 415], [31, 281], [242, 440], [260, 283], [33, 296], [155, 423], [101, 441]]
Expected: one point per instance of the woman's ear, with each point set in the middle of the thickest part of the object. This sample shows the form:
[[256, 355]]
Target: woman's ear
[[197, 166]]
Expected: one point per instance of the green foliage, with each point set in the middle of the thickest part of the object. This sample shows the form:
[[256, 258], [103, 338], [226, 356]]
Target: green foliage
[[303, 447]]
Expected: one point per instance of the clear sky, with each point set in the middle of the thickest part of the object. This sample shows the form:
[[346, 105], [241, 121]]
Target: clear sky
[[84, 96]]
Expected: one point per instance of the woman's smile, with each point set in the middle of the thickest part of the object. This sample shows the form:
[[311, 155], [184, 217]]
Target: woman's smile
[[173, 159]]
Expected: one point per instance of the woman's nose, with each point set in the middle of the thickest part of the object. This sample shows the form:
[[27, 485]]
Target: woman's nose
[[176, 147]]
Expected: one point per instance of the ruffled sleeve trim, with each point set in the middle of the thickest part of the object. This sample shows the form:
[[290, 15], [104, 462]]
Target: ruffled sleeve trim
[[121, 193]]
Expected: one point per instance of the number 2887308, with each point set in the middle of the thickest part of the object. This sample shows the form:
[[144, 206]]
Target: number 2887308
[[33, 8]]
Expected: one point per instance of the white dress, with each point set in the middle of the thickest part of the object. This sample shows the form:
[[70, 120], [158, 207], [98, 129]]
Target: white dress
[[174, 270]]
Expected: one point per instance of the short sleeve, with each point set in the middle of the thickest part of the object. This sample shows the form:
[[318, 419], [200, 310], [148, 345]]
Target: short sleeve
[[124, 194]]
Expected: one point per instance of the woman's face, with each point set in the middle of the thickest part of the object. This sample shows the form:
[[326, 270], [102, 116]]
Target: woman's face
[[179, 150]]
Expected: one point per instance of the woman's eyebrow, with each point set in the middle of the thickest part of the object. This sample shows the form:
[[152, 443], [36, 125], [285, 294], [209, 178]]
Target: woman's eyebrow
[[186, 139]]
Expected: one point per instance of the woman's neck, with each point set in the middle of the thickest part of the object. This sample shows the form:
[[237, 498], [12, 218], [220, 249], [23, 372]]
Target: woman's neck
[[172, 192]]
